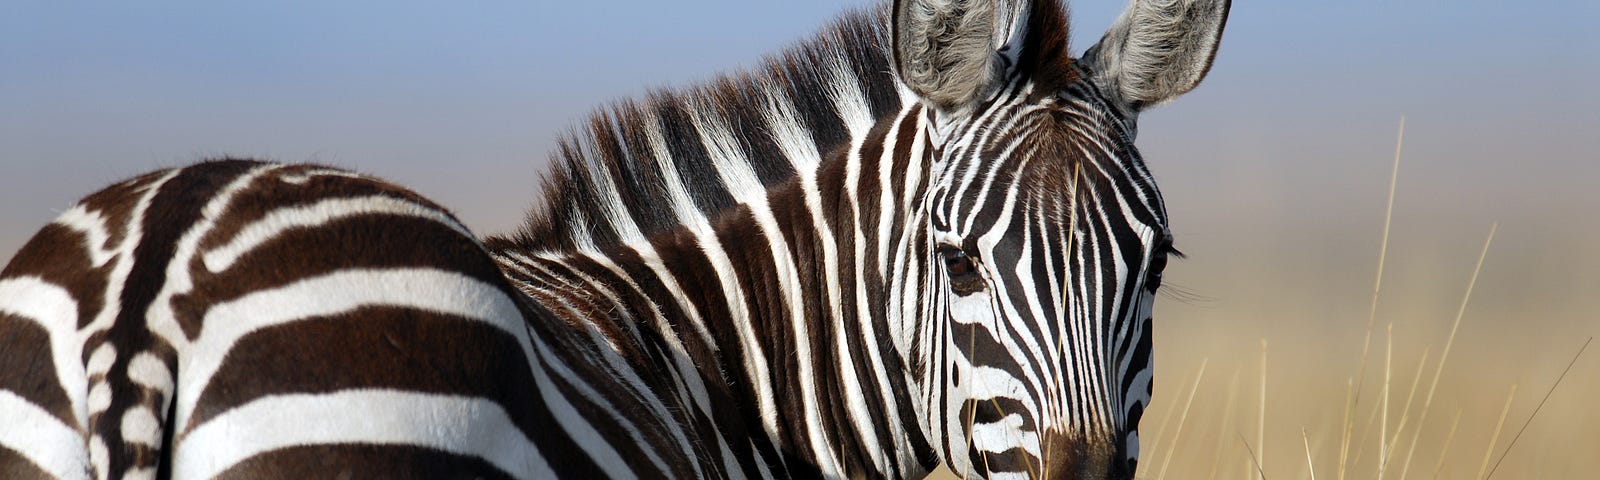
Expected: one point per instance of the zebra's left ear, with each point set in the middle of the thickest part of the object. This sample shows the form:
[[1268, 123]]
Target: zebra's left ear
[[1158, 50], [953, 52]]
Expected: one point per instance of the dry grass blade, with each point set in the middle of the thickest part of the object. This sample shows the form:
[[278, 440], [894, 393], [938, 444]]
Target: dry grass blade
[[1310, 465], [1496, 437], [1377, 286], [1383, 430], [1405, 415], [1345, 427], [1227, 421], [1161, 429], [1198, 376], [1261, 422], [1427, 402], [1541, 406], [1366, 432], [1444, 452], [1254, 460]]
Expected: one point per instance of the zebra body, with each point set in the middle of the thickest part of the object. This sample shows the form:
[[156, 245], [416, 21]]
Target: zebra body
[[925, 237], [170, 301]]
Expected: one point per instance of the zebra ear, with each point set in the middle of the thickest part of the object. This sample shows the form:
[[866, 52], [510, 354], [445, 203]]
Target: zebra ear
[[1158, 50], [951, 52]]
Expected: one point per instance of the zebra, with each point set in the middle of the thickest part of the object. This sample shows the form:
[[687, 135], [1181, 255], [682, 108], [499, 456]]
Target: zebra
[[925, 237]]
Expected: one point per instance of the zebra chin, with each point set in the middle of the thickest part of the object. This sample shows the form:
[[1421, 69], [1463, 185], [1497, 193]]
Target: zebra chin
[[1101, 457], [1066, 461], [1017, 454]]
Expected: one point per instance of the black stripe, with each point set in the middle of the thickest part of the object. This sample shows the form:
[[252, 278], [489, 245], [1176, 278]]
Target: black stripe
[[174, 209]]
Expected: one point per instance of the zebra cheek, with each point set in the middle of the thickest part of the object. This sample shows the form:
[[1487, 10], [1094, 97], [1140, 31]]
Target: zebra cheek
[[971, 310]]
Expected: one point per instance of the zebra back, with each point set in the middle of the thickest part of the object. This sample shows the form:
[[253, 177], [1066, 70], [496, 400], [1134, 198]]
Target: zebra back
[[312, 317]]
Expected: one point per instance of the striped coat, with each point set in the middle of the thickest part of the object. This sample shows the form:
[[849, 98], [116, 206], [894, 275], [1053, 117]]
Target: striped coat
[[881, 251]]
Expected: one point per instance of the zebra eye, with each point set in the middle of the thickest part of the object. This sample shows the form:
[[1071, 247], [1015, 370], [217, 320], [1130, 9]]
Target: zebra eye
[[1158, 263], [963, 271], [1152, 280]]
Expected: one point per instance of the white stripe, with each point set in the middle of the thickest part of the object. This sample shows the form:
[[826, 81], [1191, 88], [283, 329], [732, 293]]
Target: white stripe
[[100, 359], [685, 373], [827, 454], [140, 425], [792, 137], [617, 214], [576, 424], [53, 308], [99, 397], [848, 100], [147, 370], [320, 213], [300, 178], [861, 418], [424, 289], [1006, 434], [159, 316], [93, 227], [133, 235], [460, 425], [41, 438], [735, 172], [689, 215], [100, 457], [622, 372]]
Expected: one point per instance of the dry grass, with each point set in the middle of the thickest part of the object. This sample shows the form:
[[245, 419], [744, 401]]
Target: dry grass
[[1396, 435], [1331, 416]]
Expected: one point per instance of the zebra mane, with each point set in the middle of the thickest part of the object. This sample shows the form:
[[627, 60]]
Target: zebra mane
[[612, 165]]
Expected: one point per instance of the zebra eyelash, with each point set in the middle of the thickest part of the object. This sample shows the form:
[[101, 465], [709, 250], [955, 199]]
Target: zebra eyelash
[[1158, 263], [1166, 246]]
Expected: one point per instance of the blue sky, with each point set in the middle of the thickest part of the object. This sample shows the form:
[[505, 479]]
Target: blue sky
[[1286, 144], [463, 102]]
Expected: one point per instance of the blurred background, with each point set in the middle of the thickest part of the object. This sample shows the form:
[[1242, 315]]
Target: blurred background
[[1275, 171]]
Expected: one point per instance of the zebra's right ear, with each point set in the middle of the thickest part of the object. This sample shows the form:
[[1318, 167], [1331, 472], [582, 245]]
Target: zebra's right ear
[[946, 50], [1158, 50]]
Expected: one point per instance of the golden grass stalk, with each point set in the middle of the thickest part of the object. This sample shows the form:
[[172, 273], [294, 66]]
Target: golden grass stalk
[[1366, 432], [1450, 340], [1345, 426], [1227, 422], [1161, 429], [1254, 460], [1496, 437], [1383, 430], [1405, 414], [1198, 376], [1377, 286], [1310, 465], [1541, 406], [1261, 421], [1443, 452]]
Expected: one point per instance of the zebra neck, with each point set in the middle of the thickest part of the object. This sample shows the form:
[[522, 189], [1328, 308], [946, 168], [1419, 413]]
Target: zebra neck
[[815, 326], [770, 328]]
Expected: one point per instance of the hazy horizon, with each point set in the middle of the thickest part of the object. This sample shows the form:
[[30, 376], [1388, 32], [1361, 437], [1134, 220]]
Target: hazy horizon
[[1275, 171]]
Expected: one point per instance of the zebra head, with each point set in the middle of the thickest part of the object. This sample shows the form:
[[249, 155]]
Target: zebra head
[[1046, 236]]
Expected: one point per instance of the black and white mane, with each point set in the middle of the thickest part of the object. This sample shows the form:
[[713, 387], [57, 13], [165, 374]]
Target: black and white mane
[[606, 154]]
